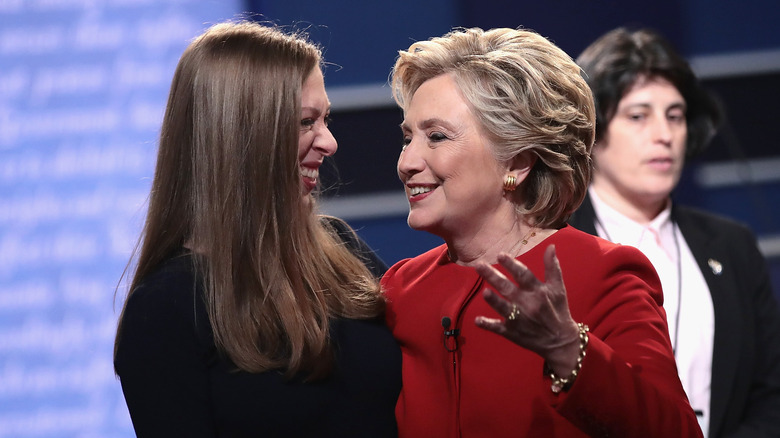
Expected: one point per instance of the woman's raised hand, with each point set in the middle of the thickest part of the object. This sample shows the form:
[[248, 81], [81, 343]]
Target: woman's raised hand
[[536, 314]]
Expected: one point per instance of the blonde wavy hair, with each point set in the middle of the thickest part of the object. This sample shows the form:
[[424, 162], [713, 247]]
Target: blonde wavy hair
[[528, 95]]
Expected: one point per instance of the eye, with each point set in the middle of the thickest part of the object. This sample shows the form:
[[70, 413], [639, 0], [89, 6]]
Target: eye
[[437, 136], [328, 120], [307, 123], [676, 116], [405, 142], [636, 117]]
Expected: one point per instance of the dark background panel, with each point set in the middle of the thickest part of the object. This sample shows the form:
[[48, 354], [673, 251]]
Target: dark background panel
[[573, 24], [752, 116], [361, 39], [369, 140], [369, 144]]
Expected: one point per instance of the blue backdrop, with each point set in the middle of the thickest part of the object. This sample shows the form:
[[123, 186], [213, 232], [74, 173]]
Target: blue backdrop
[[82, 91], [83, 85]]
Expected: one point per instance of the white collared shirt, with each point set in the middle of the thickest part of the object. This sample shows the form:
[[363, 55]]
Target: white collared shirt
[[690, 315]]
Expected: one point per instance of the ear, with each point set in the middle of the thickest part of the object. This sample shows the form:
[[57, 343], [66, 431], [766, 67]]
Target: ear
[[520, 166]]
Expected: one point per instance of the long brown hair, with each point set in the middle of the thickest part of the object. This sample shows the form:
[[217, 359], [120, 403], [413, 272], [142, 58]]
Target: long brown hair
[[227, 185]]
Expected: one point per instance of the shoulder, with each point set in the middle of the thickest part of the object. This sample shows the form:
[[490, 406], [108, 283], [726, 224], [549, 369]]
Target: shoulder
[[707, 221], [580, 244], [173, 281], [357, 246], [420, 263], [584, 217], [409, 269], [170, 298], [337, 224], [588, 259], [163, 314], [702, 229]]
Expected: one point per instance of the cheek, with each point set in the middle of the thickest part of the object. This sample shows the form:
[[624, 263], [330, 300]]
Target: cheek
[[304, 145], [682, 139], [610, 160]]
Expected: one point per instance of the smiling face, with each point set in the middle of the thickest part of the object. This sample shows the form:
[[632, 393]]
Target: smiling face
[[639, 161], [315, 141], [452, 180]]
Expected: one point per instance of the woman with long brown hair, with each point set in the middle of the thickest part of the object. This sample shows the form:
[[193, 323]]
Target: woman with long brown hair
[[249, 314]]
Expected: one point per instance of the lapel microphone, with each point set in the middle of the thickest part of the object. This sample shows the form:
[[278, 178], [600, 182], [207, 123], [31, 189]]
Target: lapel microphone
[[450, 333]]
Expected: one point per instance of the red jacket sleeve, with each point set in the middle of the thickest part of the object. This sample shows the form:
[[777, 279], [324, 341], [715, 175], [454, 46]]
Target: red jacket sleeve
[[628, 384]]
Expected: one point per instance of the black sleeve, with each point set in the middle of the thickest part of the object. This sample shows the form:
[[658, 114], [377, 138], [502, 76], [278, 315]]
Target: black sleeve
[[357, 245], [762, 412], [162, 363]]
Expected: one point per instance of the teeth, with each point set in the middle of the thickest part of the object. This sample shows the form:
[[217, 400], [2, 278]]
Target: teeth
[[310, 173], [418, 190]]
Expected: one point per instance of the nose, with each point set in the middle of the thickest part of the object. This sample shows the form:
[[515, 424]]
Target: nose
[[663, 131], [410, 161], [324, 142]]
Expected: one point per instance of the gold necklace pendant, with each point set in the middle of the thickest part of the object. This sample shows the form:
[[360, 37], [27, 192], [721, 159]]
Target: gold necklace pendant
[[528, 236]]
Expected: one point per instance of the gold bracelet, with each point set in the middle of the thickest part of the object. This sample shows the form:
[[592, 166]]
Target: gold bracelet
[[563, 384]]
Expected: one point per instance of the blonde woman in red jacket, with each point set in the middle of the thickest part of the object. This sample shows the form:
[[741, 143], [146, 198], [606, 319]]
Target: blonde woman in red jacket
[[518, 325]]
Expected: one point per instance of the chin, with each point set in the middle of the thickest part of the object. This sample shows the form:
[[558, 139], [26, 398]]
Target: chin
[[412, 224], [420, 224], [415, 223]]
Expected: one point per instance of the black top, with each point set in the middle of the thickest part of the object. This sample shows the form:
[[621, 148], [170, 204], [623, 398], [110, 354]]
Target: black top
[[176, 384]]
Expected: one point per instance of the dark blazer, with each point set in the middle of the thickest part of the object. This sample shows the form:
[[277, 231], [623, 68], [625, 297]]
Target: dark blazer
[[745, 397]]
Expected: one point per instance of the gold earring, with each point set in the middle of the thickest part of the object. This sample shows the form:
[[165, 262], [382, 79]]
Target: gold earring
[[509, 183]]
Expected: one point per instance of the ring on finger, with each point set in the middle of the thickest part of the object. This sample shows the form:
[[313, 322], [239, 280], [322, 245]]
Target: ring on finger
[[514, 314]]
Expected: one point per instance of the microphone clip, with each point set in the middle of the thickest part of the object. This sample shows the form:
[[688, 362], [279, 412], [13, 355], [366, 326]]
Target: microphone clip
[[450, 335]]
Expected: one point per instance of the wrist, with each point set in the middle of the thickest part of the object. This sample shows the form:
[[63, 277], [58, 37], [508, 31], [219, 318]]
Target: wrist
[[562, 381]]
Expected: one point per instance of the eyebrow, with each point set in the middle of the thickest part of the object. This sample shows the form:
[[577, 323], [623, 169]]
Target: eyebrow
[[316, 109], [428, 123], [675, 105]]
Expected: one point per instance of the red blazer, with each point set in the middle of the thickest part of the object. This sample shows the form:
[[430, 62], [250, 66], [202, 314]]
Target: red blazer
[[488, 386]]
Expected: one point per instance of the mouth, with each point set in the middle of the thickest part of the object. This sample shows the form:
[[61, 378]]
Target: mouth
[[661, 163], [309, 176], [419, 192], [308, 172]]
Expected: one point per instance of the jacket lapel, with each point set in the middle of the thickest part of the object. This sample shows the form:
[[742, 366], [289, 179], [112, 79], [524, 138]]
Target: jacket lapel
[[584, 219], [711, 256]]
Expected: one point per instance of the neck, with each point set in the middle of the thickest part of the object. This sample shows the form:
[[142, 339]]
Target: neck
[[485, 247], [640, 208]]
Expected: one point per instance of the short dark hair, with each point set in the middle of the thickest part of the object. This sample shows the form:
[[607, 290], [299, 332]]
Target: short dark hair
[[620, 58]]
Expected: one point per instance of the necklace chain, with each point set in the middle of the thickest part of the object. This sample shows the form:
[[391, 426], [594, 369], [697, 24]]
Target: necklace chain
[[515, 251], [531, 234], [524, 241]]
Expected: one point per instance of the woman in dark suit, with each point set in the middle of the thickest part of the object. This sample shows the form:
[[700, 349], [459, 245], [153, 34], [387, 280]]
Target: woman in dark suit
[[723, 320]]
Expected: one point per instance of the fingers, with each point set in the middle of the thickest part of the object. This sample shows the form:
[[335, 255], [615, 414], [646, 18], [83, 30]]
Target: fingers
[[492, 324], [552, 268], [524, 277], [499, 304], [508, 293], [495, 278]]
